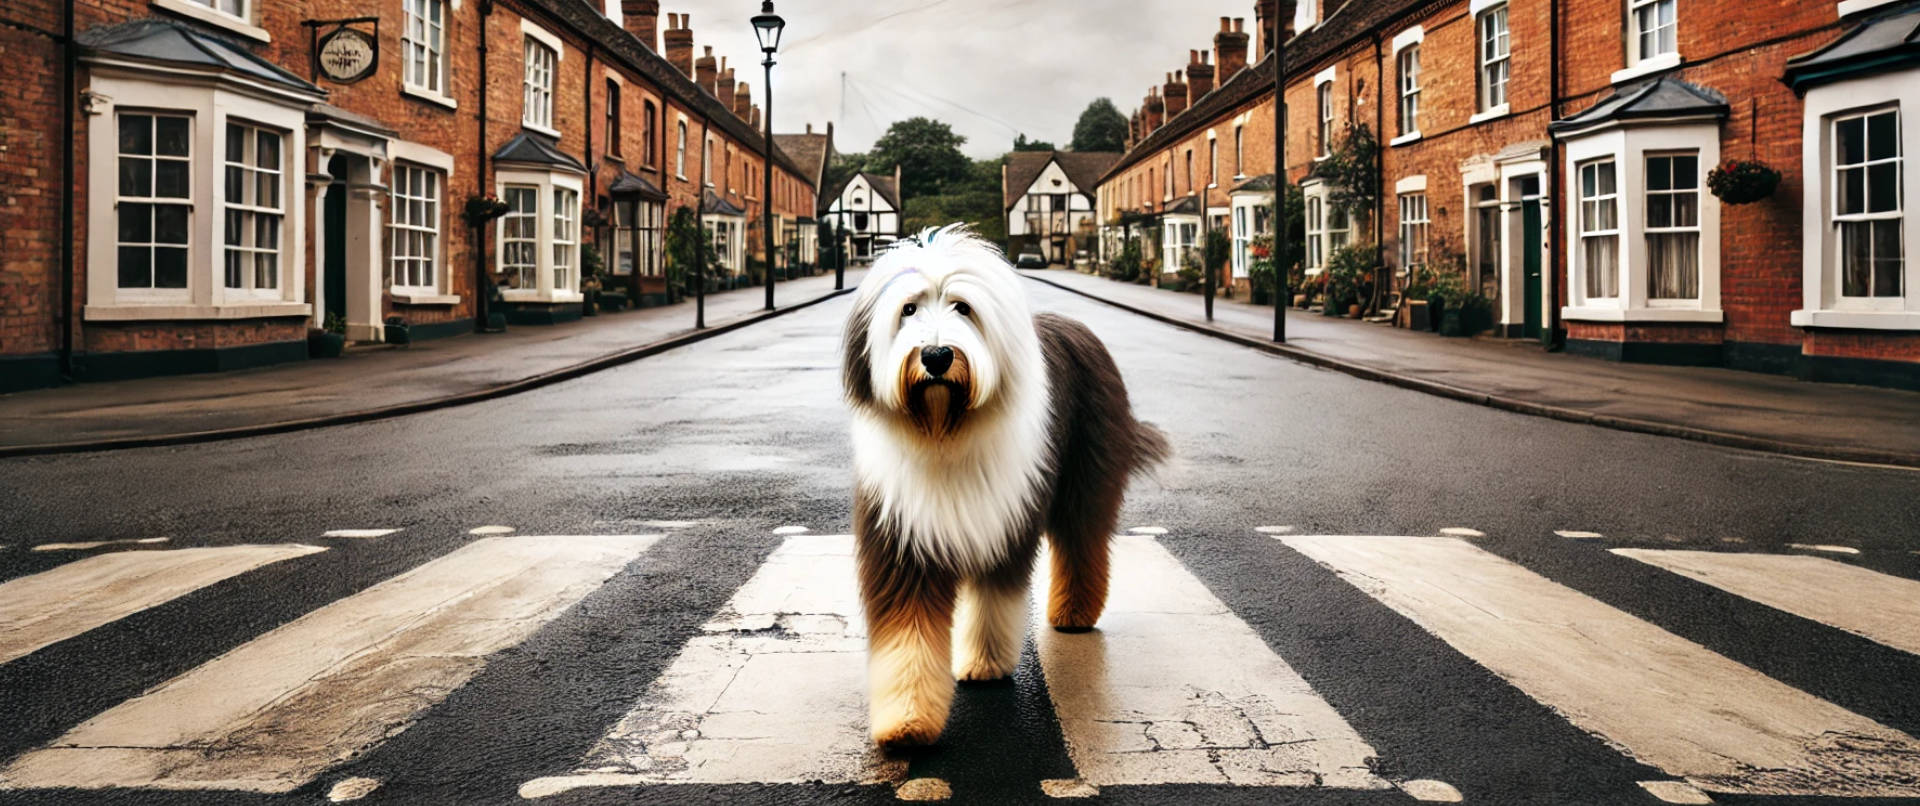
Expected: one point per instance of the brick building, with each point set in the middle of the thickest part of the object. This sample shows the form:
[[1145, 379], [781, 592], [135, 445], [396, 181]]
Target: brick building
[[1491, 115], [243, 171]]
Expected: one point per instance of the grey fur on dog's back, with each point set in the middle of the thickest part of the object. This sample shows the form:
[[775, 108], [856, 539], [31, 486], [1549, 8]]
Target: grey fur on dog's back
[[1095, 433]]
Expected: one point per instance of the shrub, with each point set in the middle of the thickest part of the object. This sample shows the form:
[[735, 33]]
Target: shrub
[[1348, 268]]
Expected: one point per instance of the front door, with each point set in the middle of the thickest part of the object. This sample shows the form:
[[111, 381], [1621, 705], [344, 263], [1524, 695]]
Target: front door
[[333, 281], [1530, 226]]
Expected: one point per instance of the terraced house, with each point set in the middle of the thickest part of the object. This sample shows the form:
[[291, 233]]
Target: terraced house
[[1561, 155], [242, 172]]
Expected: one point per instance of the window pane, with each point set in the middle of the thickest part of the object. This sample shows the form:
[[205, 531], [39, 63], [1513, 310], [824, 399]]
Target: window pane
[[1851, 197], [267, 152], [170, 223], [1659, 211], [1856, 259], [236, 185], [136, 270], [1659, 173], [1686, 172], [136, 176], [1673, 266], [236, 143], [136, 134], [1850, 141], [136, 223], [1604, 173], [1883, 187], [236, 227], [1686, 210], [1883, 139], [235, 274], [1886, 258], [169, 268]]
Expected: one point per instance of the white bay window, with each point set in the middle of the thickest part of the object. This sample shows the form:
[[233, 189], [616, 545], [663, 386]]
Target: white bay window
[[254, 211], [1645, 233], [1673, 227], [538, 240]]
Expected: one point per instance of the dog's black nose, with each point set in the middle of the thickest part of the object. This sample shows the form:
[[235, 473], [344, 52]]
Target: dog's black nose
[[936, 359]]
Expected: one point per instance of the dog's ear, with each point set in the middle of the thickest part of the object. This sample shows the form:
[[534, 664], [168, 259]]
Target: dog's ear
[[856, 369]]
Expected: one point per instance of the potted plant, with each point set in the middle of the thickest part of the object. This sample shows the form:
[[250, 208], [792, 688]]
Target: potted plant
[[1260, 273], [590, 266], [482, 209], [328, 341], [397, 333], [1742, 181], [1476, 314], [1347, 269]]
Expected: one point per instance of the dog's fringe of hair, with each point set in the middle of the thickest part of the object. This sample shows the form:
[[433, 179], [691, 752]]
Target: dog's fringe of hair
[[957, 235]]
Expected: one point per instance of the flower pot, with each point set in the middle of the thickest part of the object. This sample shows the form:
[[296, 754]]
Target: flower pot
[[1353, 311], [397, 332], [1262, 296], [1450, 324], [322, 344], [1299, 300]]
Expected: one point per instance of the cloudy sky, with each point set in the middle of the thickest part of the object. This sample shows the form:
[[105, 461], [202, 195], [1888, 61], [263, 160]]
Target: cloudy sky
[[990, 68]]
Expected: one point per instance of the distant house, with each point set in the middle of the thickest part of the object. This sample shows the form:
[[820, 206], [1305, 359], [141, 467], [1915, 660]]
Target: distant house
[[866, 213], [812, 152], [1049, 197]]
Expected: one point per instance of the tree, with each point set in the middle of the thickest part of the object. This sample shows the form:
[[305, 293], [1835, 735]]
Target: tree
[[928, 153], [1021, 143], [975, 200], [1101, 128], [842, 168]]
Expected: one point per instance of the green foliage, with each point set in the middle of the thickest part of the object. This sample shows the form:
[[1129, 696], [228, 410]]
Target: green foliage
[[335, 323], [1352, 172], [591, 263], [1127, 266], [975, 199], [1101, 128], [1260, 273], [1348, 269], [1217, 250], [928, 153], [1021, 143], [683, 246], [841, 168], [1445, 276]]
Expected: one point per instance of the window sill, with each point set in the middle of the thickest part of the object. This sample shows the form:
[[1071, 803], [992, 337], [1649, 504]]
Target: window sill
[[535, 127], [139, 313], [216, 18], [1664, 61], [1495, 113], [1404, 139], [429, 96], [1858, 320], [530, 295], [424, 298], [1593, 314]]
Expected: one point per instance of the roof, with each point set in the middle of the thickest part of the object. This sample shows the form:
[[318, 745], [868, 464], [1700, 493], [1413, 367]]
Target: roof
[[528, 148], [1185, 205], [629, 183], [169, 41], [1663, 98], [1259, 184], [882, 184], [326, 112], [1022, 168], [810, 151], [1886, 42], [711, 202], [1083, 169]]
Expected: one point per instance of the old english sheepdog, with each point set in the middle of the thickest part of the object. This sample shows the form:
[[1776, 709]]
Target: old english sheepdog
[[977, 427]]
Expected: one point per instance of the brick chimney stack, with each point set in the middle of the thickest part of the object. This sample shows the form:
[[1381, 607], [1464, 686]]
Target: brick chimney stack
[[1153, 112], [1199, 74], [705, 73], [1264, 12], [1230, 48], [753, 116], [642, 19], [679, 43], [723, 84], [742, 99], [1176, 94]]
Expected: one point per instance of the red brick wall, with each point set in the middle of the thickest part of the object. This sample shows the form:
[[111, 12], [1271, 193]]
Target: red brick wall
[[30, 135], [144, 336]]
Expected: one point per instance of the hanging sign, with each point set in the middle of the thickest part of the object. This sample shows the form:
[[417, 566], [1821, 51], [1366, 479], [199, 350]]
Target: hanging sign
[[346, 55]]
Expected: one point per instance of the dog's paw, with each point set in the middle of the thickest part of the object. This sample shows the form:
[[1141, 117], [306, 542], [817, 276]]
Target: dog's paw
[[982, 669], [909, 732]]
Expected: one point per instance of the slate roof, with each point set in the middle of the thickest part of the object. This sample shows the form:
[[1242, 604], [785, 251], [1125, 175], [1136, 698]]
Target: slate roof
[[1663, 98], [1259, 184], [810, 151], [529, 148], [1879, 43], [173, 42], [629, 183], [711, 202], [1083, 169]]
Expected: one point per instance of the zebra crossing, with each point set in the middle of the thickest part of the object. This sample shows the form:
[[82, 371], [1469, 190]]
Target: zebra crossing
[[1174, 688]]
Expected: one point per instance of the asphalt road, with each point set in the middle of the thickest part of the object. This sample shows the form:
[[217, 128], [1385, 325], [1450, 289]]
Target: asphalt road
[[745, 433]]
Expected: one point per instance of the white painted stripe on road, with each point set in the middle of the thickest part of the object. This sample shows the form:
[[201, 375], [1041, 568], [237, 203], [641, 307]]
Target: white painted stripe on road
[[1462, 531], [1575, 534], [495, 529], [1173, 688], [360, 534], [1824, 547], [790, 530], [94, 544], [1875, 606], [773, 691], [276, 712], [52, 606], [1664, 700]]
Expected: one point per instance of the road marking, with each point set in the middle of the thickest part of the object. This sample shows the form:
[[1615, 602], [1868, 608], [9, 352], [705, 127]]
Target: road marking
[[145, 541], [1462, 531], [352, 789], [1148, 530], [279, 710], [490, 530], [670, 524], [1875, 606], [791, 530], [54, 605], [361, 534], [1675, 792], [1173, 688], [773, 691], [1664, 700], [1823, 547], [1430, 791], [1273, 530], [1573, 534]]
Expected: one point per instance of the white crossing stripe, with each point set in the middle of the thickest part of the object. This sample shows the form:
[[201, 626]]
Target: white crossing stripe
[[1876, 606], [772, 691], [1665, 700], [1173, 688], [94, 544], [274, 713], [52, 606]]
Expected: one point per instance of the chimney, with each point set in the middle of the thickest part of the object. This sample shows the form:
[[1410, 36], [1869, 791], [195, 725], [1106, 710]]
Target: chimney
[[705, 73], [723, 84], [753, 116], [1264, 12], [898, 190], [1153, 112], [742, 99], [1199, 74], [1176, 94], [1230, 48], [809, 127], [642, 19], [679, 43]]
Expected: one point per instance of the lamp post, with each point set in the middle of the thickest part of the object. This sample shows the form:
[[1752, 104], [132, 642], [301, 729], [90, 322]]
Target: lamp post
[[768, 26], [1283, 295]]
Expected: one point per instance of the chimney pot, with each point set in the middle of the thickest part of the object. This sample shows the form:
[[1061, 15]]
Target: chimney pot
[[706, 74], [678, 46], [809, 127], [642, 19], [1230, 51]]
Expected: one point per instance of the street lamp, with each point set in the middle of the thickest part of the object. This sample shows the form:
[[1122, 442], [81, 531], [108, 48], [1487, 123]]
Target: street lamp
[[767, 26]]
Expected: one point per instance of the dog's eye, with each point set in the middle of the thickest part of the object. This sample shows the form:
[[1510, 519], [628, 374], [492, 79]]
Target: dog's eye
[[908, 311], [963, 309]]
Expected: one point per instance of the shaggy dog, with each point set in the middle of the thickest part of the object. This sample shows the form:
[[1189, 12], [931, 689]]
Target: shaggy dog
[[977, 426]]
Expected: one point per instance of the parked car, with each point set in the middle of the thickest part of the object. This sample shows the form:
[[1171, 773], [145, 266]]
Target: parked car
[[1030, 260]]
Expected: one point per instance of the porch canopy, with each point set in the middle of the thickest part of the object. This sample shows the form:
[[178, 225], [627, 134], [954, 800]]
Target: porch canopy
[[1664, 99], [1880, 44]]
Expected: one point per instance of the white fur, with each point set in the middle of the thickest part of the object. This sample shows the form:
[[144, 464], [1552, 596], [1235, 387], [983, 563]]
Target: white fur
[[990, 623], [960, 500]]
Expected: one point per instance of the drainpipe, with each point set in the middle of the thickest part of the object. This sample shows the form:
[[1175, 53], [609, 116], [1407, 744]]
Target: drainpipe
[[700, 225], [1552, 339], [586, 93], [1379, 171], [70, 65], [480, 312]]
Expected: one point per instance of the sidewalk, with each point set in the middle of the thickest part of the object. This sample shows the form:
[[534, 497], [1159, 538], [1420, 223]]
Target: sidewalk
[[371, 383], [1722, 406]]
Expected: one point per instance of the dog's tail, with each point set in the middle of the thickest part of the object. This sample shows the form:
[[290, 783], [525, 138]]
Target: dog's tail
[[1150, 448]]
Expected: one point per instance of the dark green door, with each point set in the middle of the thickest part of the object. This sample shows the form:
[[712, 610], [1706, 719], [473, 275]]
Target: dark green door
[[1530, 241], [333, 283]]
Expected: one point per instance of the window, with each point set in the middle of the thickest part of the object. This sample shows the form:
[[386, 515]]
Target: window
[[680, 152], [153, 200], [1673, 226], [538, 109], [520, 237], [566, 213], [1409, 64], [235, 8], [1495, 50], [1599, 229], [646, 132], [1653, 28], [1413, 230], [706, 161], [637, 243], [253, 208], [1189, 170], [1213, 163], [1239, 151], [1328, 227], [413, 230], [1866, 203], [1323, 95], [613, 118], [424, 46]]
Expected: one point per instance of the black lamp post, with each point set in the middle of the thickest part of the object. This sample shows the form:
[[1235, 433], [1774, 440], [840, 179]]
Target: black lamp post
[[768, 26], [1283, 295]]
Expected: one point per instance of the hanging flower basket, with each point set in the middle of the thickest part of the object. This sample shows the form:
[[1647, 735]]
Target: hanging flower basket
[[482, 209], [1742, 181]]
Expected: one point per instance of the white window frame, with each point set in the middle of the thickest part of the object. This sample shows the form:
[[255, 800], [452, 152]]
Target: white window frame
[[253, 210], [1823, 304], [415, 216], [1641, 63], [1407, 73], [545, 217], [207, 12], [1213, 161], [1323, 238], [137, 89], [1250, 210], [124, 203], [565, 239], [1239, 151], [1415, 223], [1588, 207], [541, 57], [1177, 236], [1323, 113], [680, 153], [1492, 50], [1629, 148], [423, 45], [1649, 232], [1848, 8]]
